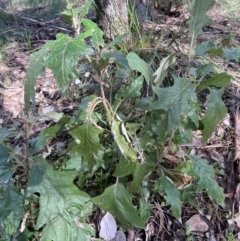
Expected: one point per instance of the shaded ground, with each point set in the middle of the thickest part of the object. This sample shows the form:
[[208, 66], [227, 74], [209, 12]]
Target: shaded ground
[[221, 150]]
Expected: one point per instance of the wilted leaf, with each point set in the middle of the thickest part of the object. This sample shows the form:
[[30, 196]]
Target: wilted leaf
[[108, 227], [161, 72], [216, 111], [123, 145], [136, 63], [118, 201]]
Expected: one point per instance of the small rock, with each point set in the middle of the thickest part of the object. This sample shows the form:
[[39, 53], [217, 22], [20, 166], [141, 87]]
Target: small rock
[[196, 224]]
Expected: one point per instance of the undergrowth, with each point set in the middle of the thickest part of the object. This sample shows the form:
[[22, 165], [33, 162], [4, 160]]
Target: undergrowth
[[113, 155]]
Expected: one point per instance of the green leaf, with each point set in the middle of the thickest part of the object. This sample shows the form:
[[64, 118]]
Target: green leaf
[[136, 63], [204, 47], [96, 32], [132, 91], [175, 101], [5, 173], [123, 145], [4, 132], [124, 168], [232, 54], [216, 111], [60, 230], [87, 144], [199, 18], [58, 195], [118, 201], [218, 81], [43, 138], [204, 173], [216, 51], [5, 153], [173, 195], [11, 208], [144, 209], [36, 66], [204, 70], [141, 171], [116, 40], [64, 55], [118, 56], [161, 72], [188, 194]]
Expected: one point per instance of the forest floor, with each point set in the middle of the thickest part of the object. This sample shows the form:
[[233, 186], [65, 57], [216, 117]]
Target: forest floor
[[26, 34]]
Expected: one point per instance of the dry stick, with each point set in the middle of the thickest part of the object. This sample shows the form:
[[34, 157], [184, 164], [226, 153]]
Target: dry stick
[[237, 139], [237, 135]]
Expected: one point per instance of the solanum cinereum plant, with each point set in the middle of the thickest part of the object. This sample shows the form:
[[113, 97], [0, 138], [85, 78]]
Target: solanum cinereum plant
[[119, 137]]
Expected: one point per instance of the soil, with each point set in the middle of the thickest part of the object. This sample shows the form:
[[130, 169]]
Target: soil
[[214, 223]]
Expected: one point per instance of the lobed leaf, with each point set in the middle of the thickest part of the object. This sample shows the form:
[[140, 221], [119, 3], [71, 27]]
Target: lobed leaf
[[59, 197], [175, 101], [118, 201], [132, 91], [11, 208], [204, 173], [35, 68], [5, 153], [4, 132], [87, 144], [216, 111], [63, 57], [43, 138], [173, 195], [199, 18], [61, 230], [96, 32], [232, 54]]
